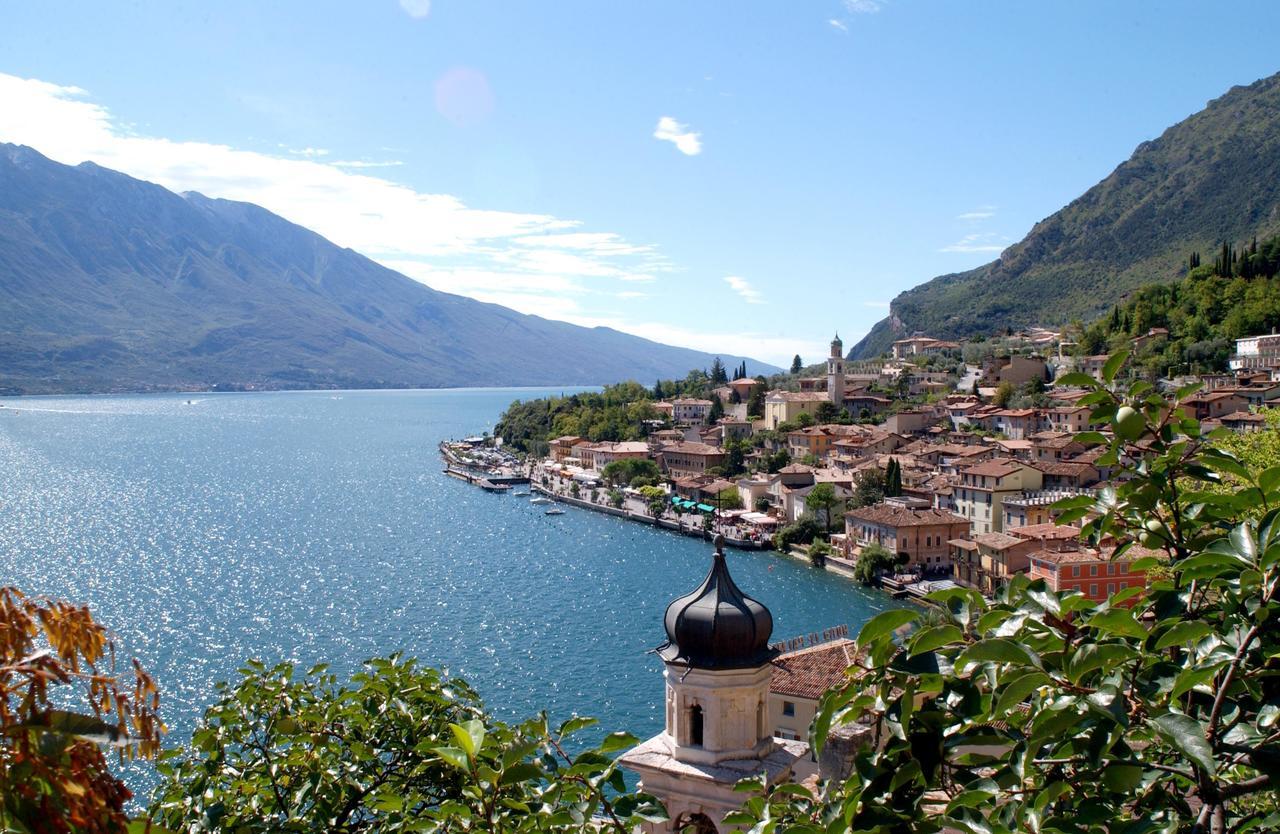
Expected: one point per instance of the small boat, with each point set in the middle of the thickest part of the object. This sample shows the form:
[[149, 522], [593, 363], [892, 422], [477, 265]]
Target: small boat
[[541, 499], [522, 494], [555, 511]]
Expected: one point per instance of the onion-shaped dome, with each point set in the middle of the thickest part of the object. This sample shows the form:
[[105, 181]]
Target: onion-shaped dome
[[717, 626]]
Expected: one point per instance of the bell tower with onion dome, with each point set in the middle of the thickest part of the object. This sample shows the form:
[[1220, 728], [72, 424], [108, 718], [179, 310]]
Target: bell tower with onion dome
[[718, 665]]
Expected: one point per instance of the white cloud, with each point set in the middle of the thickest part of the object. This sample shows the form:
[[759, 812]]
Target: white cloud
[[836, 24], [361, 163], [416, 8], [532, 262], [310, 153], [980, 213], [687, 141], [978, 243], [862, 6], [742, 287]]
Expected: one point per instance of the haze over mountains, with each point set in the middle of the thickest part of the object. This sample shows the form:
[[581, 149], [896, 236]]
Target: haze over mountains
[[109, 283], [1212, 177]]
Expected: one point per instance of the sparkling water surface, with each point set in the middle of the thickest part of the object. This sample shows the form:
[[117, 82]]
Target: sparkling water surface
[[204, 529]]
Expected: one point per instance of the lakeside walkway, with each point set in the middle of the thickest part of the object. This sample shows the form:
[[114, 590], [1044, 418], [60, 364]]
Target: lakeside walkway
[[636, 510]]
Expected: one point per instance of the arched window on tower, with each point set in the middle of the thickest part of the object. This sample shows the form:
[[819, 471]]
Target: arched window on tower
[[695, 725], [694, 823]]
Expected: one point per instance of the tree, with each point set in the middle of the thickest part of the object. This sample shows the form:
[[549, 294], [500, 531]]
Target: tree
[[873, 559], [869, 488], [755, 402], [716, 411], [1004, 393], [1162, 700], [398, 747], [821, 500], [893, 479], [729, 499], [625, 471], [826, 412], [718, 375], [53, 775], [796, 365]]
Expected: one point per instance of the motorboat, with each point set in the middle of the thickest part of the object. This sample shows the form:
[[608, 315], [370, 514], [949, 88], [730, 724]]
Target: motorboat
[[540, 499], [555, 511]]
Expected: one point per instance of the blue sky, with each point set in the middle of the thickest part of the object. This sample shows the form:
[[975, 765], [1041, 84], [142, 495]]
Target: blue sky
[[741, 177]]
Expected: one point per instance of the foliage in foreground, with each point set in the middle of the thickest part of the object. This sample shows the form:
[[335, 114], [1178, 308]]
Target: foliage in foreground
[[53, 775], [1046, 712], [399, 747]]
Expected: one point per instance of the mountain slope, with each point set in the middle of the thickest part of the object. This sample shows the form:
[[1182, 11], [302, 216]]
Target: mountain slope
[[111, 283], [1214, 176]]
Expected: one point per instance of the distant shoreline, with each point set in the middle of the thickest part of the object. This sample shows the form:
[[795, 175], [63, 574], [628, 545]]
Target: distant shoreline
[[575, 387]]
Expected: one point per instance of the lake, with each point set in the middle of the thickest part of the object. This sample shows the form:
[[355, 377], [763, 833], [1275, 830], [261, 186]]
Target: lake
[[319, 526]]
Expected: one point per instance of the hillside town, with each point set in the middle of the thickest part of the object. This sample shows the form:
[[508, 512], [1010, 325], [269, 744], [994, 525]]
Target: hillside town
[[917, 472]]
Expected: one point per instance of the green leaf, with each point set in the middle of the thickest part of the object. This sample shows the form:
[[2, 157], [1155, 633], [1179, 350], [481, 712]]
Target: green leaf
[[1114, 364], [1122, 777], [1076, 379], [886, 622], [469, 735], [1182, 633], [455, 757], [618, 741], [1117, 621], [928, 639], [1187, 737], [1191, 677], [999, 650], [573, 725], [1016, 691]]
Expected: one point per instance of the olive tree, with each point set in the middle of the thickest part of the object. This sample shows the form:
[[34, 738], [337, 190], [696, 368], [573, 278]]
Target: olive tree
[[1156, 710]]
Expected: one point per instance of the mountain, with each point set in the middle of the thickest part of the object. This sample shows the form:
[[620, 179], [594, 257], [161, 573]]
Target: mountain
[[108, 283], [1211, 178]]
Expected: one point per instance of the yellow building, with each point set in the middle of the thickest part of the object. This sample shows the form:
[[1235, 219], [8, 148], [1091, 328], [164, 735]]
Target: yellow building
[[981, 492], [786, 406]]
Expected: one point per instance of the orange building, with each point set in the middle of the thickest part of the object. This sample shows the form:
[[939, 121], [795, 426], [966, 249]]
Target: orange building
[[1093, 573]]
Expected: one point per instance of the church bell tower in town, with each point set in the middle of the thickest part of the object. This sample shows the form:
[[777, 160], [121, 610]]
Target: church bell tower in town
[[718, 667], [835, 373]]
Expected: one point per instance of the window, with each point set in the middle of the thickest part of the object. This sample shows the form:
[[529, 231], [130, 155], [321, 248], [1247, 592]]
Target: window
[[1111, 588], [695, 725], [788, 708], [1093, 589], [1075, 570], [1093, 570], [1111, 569]]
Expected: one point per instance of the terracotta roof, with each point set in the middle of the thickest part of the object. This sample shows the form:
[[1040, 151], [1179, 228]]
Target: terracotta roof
[[1045, 531], [797, 396], [691, 401], [1087, 555], [899, 516], [997, 468], [997, 541], [1072, 468], [1243, 417], [808, 673], [745, 380], [692, 449]]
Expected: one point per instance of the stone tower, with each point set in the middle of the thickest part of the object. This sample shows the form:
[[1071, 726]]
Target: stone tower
[[835, 373], [718, 667]]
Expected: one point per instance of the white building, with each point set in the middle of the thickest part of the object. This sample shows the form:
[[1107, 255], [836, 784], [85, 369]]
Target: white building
[[1256, 352], [718, 730]]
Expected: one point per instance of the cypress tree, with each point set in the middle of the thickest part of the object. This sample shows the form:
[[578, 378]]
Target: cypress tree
[[796, 364]]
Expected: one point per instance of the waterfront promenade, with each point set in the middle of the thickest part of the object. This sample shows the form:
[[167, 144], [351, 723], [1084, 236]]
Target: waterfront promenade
[[635, 509]]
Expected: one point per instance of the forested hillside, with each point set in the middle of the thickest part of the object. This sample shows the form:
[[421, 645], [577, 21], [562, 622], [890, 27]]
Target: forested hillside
[[1211, 178], [1236, 295]]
